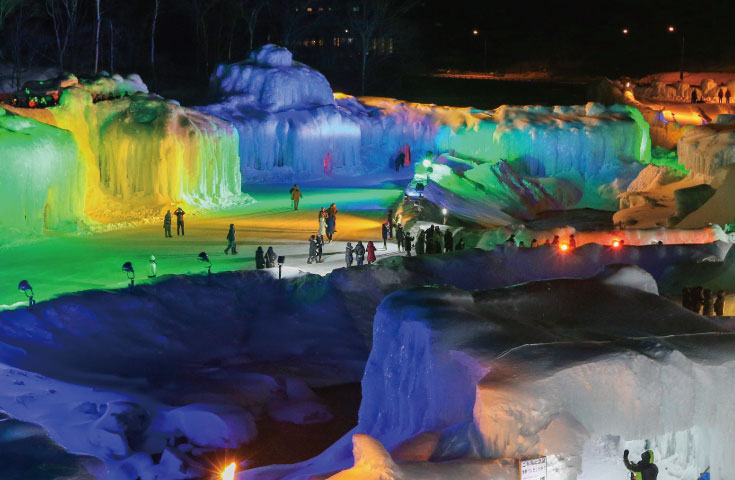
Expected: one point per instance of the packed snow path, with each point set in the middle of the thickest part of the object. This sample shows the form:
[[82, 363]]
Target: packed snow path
[[67, 263]]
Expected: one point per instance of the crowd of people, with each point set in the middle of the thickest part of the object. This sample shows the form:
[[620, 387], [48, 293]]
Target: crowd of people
[[701, 301]]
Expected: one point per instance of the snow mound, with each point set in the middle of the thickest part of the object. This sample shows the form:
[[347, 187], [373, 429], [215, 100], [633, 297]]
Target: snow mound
[[209, 425], [628, 276], [270, 80]]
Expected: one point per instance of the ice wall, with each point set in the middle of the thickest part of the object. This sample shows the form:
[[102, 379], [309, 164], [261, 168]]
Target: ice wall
[[516, 374], [42, 184], [142, 153], [286, 117], [706, 149]]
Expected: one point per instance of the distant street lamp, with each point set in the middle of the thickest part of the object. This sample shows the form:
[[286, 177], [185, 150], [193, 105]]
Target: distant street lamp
[[672, 29], [484, 42], [625, 31], [26, 288]]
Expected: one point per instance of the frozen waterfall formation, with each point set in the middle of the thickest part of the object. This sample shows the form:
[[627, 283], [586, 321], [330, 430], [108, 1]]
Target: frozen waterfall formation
[[292, 124], [111, 152]]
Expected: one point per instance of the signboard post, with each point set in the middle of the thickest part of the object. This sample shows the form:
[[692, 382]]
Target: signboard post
[[534, 469]]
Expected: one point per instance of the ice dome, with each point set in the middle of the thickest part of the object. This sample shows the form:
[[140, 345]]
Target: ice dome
[[270, 80]]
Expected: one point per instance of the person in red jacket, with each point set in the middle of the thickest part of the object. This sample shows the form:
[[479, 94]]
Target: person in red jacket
[[370, 252]]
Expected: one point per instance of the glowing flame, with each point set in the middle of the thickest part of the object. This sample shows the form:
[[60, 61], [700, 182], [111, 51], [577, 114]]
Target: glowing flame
[[229, 472], [564, 247]]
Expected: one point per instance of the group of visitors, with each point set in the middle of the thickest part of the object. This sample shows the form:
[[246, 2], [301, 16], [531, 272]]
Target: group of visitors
[[554, 242], [265, 260], [432, 240], [700, 300], [179, 213], [359, 253], [328, 222], [721, 94]]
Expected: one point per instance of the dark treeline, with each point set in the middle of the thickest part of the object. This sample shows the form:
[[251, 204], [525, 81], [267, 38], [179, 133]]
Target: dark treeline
[[364, 45]]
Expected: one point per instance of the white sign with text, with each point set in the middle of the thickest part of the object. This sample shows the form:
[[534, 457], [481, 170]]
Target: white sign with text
[[534, 469]]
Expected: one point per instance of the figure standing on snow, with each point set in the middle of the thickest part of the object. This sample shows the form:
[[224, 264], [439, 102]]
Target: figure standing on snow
[[555, 242], [179, 221], [429, 239], [319, 248], [407, 243], [231, 245], [572, 241], [421, 243], [645, 469], [708, 306], [534, 243], [400, 236], [370, 252], [390, 223], [259, 259], [312, 249], [322, 222], [167, 224], [399, 161], [448, 241], [727, 95], [331, 221], [295, 196], [270, 258], [694, 96], [720, 94], [384, 233], [360, 252], [720, 303], [348, 254]]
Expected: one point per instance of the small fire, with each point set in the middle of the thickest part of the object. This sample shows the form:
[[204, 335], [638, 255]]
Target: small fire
[[564, 247], [229, 472]]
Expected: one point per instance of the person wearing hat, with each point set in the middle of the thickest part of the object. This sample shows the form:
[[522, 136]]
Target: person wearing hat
[[643, 470]]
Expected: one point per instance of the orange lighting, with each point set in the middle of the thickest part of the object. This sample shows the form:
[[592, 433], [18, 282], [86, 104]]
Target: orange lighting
[[229, 472], [564, 247], [616, 243]]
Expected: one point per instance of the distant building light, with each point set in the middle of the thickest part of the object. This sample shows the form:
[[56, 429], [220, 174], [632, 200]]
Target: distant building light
[[625, 31], [475, 32], [309, 9], [671, 28]]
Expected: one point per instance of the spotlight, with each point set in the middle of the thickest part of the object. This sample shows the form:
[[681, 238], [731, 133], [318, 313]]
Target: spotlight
[[281, 261], [426, 163], [26, 288], [563, 247], [204, 258], [444, 212], [229, 472], [128, 270]]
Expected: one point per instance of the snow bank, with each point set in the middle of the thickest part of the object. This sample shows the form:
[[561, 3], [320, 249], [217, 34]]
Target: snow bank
[[515, 373], [43, 180]]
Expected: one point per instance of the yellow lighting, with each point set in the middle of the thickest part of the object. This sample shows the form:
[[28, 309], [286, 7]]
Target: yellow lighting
[[625, 31], [616, 243], [564, 247], [671, 28], [229, 472]]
